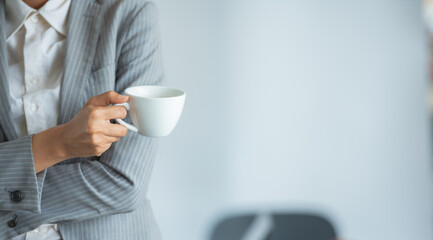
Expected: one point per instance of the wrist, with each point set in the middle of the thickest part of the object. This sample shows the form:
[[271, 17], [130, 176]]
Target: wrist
[[57, 141], [48, 148]]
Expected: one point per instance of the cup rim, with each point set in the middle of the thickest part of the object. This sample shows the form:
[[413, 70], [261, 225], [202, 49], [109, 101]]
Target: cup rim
[[128, 92]]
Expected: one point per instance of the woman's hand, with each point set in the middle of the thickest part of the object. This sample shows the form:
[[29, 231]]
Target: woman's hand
[[89, 133]]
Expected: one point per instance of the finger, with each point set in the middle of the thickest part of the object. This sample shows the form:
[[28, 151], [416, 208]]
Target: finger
[[109, 139], [107, 98], [113, 112], [115, 130]]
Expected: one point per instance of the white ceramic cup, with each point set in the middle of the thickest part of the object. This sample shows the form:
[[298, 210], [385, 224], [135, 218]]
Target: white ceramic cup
[[154, 110]]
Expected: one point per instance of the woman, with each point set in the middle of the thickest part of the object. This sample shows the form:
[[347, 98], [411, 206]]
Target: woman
[[66, 171]]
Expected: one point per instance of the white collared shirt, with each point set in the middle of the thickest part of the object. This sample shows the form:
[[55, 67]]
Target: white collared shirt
[[36, 43]]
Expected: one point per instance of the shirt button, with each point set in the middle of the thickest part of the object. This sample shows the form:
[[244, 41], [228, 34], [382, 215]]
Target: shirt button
[[16, 196], [33, 107], [35, 80]]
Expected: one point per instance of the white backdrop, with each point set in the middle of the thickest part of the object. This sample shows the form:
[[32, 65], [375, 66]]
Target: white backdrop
[[297, 104]]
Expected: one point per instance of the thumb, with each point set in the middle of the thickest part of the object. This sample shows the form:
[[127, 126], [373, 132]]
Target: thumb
[[107, 98]]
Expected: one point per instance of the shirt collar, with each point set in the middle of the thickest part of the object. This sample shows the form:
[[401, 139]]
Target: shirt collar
[[55, 12]]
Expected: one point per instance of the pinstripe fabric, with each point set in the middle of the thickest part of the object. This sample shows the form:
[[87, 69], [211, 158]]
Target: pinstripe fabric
[[111, 45], [5, 117]]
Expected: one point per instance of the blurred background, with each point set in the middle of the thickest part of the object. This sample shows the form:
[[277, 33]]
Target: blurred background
[[297, 106]]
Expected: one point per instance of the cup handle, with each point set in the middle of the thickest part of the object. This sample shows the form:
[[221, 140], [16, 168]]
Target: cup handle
[[121, 122]]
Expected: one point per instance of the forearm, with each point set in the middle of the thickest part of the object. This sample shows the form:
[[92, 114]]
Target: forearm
[[89, 133], [48, 148], [87, 188]]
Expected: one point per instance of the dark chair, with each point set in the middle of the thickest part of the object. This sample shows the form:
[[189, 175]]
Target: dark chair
[[283, 227]]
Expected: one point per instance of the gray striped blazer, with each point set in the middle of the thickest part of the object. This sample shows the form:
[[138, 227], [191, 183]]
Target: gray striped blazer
[[111, 45]]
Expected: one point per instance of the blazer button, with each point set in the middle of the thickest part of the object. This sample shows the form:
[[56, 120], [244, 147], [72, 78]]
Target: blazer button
[[12, 223], [16, 196]]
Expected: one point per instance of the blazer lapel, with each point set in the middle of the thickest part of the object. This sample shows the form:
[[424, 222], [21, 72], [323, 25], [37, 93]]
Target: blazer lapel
[[5, 106], [83, 32]]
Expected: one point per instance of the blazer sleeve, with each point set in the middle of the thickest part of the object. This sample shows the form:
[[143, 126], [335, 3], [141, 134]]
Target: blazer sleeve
[[18, 176], [116, 181]]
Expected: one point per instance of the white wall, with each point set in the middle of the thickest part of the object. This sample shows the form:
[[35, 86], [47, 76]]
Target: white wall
[[187, 183], [310, 104]]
